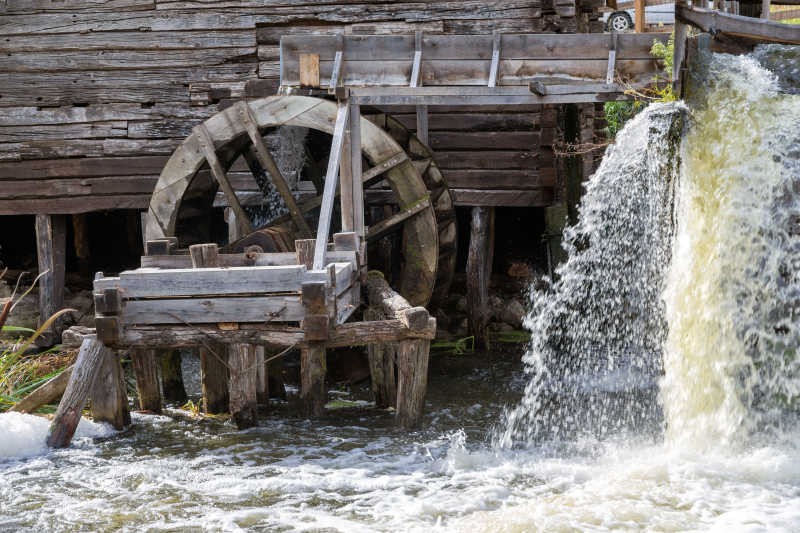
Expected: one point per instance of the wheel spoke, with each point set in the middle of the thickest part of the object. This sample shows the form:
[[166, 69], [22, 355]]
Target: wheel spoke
[[393, 223]]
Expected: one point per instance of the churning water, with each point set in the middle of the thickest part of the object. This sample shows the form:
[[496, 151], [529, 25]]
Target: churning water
[[662, 387]]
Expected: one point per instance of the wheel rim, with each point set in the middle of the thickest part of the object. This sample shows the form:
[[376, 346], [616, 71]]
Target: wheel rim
[[420, 239], [619, 23]]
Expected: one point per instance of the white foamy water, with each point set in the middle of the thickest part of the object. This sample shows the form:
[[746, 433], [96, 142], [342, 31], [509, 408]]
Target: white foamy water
[[670, 406], [24, 435]]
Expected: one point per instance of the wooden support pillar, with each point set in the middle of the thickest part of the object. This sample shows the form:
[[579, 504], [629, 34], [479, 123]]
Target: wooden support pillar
[[80, 241], [214, 370], [479, 271], [412, 380], [262, 376], [50, 246], [315, 326], [639, 22], [214, 379], [381, 366], [411, 356], [145, 370], [109, 399], [87, 366], [765, 9], [313, 393], [242, 388], [172, 377]]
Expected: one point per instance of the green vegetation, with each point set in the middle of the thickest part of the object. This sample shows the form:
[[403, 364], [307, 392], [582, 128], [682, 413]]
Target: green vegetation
[[618, 113], [20, 373]]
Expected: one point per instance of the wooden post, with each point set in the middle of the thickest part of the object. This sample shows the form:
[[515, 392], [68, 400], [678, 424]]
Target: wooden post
[[262, 376], [80, 240], [411, 356], [50, 247], [214, 370], [304, 248], [214, 379], [346, 178], [381, 366], [479, 271], [172, 377], [355, 167], [109, 399], [639, 23], [242, 387], [145, 369], [87, 366], [765, 9], [412, 380], [315, 326]]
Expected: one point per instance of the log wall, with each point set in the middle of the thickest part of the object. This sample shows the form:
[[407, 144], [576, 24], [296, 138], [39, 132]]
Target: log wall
[[97, 93]]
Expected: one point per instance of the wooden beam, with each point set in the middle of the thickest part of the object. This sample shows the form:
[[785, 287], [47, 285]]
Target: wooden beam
[[612, 58], [387, 225], [242, 387], [46, 393], [209, 152], [346, 179], [356, 168], [87, 366], [331, 179], [51, 249], [148, 387], [752, 28], [336, 74], [266, 160], [765, 8]]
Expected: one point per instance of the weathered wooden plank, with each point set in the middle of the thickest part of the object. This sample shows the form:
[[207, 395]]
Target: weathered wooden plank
[[213, 310], [120, 59], [494, 160], [144, 283], [348, 334], [130, 40], [457, 48], [214, 374], [500, 179], [412, 379], [499, 140], [530, 198], [36, 116], [44, 6], [145, 21], [91, 130], [86, 148], [147, 380], [459, 121], [82, 167], [83, 204]]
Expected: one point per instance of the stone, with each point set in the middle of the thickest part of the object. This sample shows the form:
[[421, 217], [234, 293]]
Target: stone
[[461, 304], [513, 313], [462, 328]]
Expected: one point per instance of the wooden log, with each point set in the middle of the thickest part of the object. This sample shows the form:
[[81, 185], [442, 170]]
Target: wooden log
[[46, 393], [412, 380], [109, 397], [51, 249], [143, 361], [393, 305], [242, 387], [479, 269], [312, 378], [214, 378], [172, 377], [87, 366]]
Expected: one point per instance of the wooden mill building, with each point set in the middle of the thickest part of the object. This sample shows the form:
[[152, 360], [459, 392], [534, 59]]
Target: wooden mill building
[[96, 94]]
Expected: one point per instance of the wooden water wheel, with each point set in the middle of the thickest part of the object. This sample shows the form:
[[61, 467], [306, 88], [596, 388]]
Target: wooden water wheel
[[185, 192]]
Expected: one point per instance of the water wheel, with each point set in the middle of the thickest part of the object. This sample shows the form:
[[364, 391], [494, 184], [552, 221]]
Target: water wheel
[[185, 192]]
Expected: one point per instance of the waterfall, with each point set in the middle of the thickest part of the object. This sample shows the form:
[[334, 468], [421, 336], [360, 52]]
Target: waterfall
[[675, 313]]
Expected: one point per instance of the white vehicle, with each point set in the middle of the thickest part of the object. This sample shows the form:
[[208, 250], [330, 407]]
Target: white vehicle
[[618, 17]]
